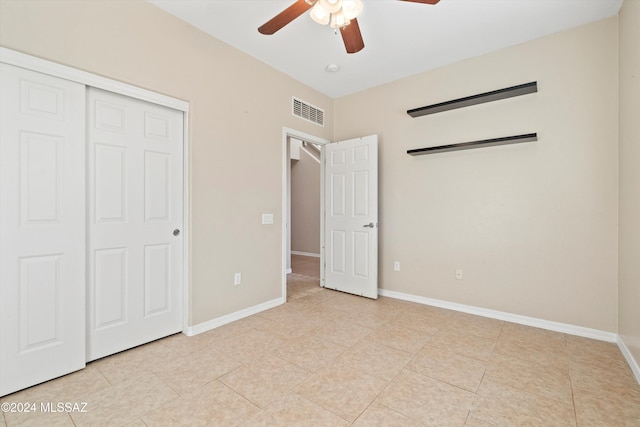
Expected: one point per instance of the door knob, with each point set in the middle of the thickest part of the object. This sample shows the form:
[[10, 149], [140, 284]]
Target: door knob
[[370, 225], [176, 232]]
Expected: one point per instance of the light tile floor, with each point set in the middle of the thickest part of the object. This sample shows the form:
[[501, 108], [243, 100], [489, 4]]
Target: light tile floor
[[331, 359]]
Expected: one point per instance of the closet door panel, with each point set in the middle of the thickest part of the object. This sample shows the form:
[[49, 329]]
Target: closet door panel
[[42, 228], [135, 204]]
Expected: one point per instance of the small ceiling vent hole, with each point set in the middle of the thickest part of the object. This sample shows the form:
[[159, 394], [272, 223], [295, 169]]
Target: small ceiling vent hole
[[308, 112]]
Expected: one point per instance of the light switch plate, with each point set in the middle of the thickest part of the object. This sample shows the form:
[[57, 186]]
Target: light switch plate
[[267, 218]]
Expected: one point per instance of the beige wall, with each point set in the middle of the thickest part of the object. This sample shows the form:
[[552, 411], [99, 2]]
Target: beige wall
[[629, 246], [533, 226], [305, 204], [238, 105]]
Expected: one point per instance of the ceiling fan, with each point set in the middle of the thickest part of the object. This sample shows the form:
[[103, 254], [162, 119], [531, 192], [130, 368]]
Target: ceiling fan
[[339, 14]]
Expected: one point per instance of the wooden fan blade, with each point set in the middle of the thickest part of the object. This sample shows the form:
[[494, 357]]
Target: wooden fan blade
[[284, 17], [423, 1], [352, 38]]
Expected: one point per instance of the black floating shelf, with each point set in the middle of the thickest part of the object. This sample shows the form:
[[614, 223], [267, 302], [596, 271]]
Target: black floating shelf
[[468, 101], [527, 137]]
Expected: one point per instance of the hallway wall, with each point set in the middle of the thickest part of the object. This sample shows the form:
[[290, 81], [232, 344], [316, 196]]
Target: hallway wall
[[305, 204]]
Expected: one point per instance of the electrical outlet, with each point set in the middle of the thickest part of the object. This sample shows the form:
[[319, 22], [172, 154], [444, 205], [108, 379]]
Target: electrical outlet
[[459, 275], [237, 278], [396, 266]]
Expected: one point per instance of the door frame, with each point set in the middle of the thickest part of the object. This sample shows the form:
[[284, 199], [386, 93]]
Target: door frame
[[288, 133], [86, 78]]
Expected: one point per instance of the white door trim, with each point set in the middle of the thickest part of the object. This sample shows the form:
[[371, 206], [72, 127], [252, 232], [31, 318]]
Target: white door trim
[[286, 165], [33, 63]]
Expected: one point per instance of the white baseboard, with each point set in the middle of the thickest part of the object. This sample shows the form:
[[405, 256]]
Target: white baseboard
[[305, 254], [633, 363], [288, 271], [509, 317], [215, 323]]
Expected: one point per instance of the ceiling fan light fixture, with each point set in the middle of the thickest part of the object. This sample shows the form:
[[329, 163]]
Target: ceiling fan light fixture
[[336, 13], [351, 8], [338, 20], [341, 15], [320, 15], [331, 6]]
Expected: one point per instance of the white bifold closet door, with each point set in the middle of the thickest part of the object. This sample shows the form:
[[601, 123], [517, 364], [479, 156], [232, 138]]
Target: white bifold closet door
[[42, 227], [135, 217]]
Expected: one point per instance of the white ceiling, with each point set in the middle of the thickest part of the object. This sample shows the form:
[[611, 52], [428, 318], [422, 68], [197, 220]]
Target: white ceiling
[[401, 38]]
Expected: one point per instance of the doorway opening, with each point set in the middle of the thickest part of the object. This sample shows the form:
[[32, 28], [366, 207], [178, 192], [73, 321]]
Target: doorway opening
[[304, 280], [305, 164], [301, 250]]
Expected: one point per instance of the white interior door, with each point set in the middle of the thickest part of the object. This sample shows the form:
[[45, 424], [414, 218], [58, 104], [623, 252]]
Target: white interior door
[[135, 222], [350, 240], [42, 228]]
